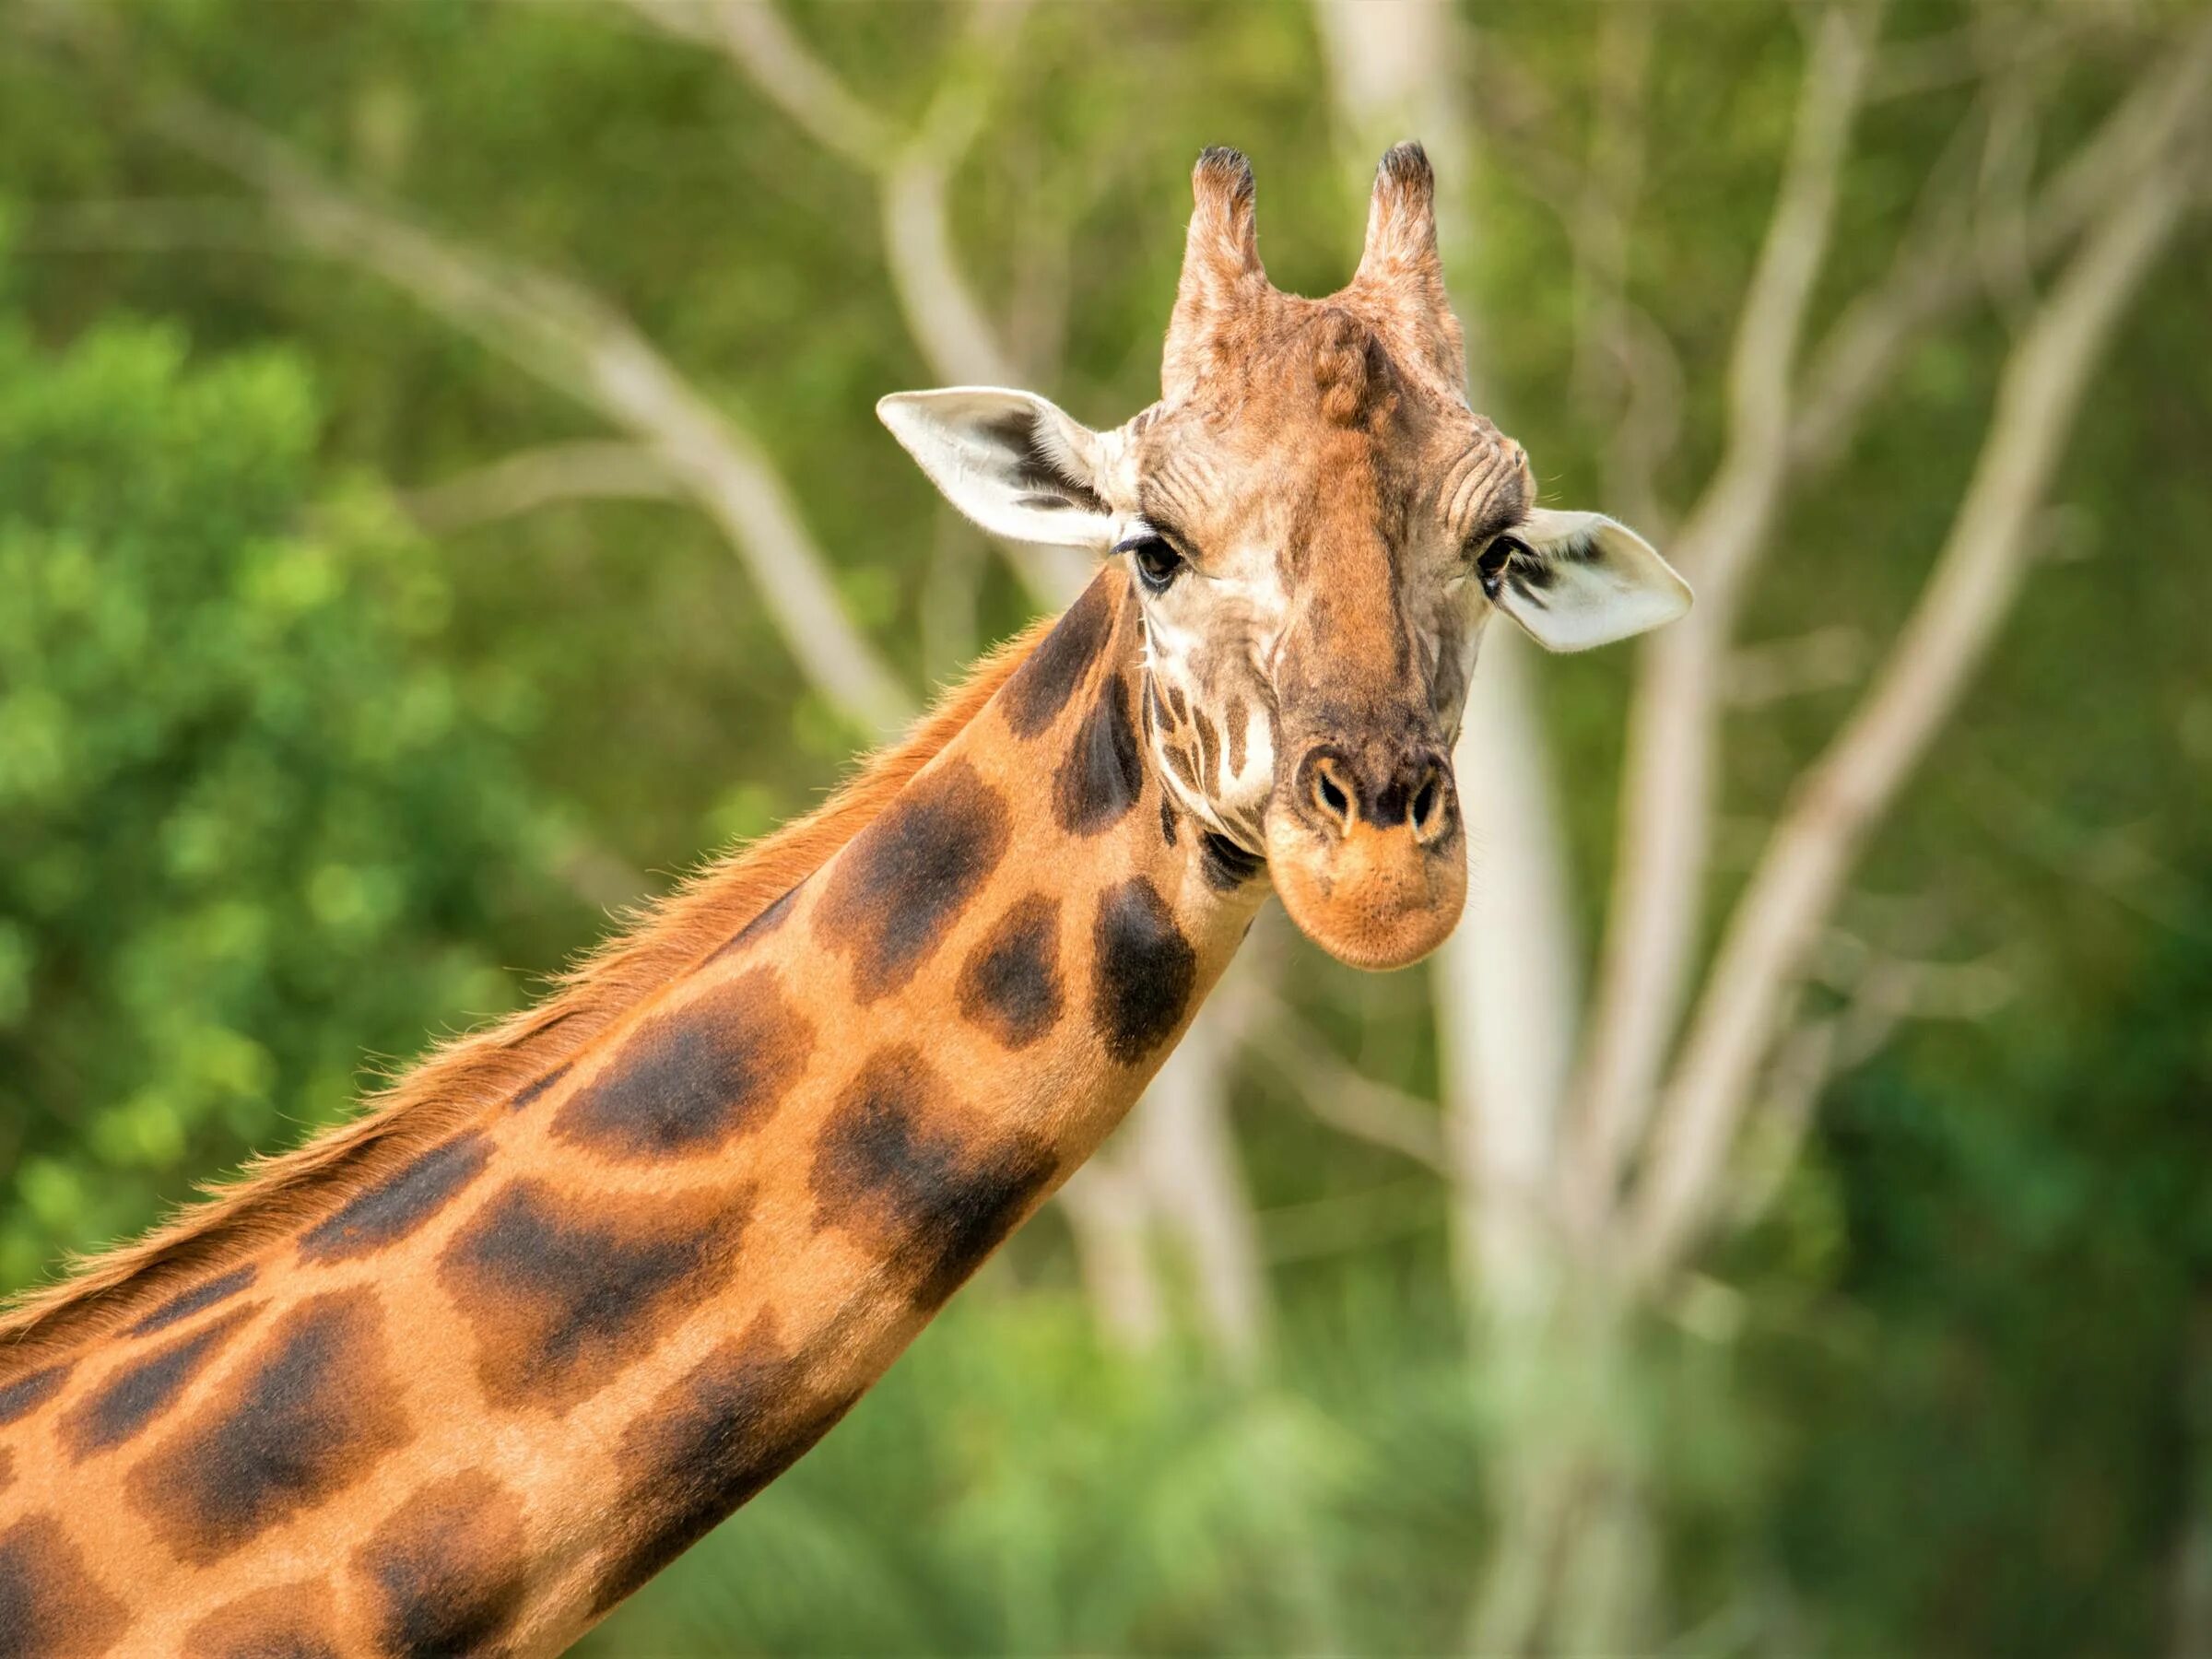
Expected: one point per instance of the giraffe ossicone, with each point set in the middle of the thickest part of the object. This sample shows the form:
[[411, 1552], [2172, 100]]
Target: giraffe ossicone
[[464, 1373]]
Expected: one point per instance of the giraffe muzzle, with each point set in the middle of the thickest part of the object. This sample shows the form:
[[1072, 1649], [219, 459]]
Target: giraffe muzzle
[[1366, 850]]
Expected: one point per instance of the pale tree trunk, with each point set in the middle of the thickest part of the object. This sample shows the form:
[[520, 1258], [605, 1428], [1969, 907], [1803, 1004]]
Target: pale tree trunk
[[1183, 1147], [1505, 988], [1504, 983]]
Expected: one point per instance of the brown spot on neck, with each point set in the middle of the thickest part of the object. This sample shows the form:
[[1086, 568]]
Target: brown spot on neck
[[122, 1407], [1010, 984], [562, 1301], [897, 1166], [1143, 970], [50, 1606], [448, 1571], [696, 1079], [1102, 775], [735, 1422], [898, 887], [531, 1094], [1061, 662], [311, 1412], [26, 1394], [394, 1206], [286, 1621], [196, 1300]]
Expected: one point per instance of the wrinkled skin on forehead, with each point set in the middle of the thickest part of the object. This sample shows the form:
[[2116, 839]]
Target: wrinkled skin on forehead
[[1320, 527]]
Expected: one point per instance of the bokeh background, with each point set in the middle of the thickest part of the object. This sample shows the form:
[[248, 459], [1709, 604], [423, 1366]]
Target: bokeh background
[[1779, 1222]]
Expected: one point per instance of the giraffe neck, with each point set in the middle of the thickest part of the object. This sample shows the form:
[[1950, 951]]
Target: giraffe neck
[[489, 1395]]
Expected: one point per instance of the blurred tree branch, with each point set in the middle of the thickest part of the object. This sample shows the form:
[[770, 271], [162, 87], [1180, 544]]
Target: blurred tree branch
[[913, 172], [1666, 796], [578, 342], [1879, 992], [1665, 823], [1977, 575], [1335, 1092], [588, 469], [1934, 274], [1109, 1217], [1772, 670], [1179, 1144], [1503, 985], [1624, 389], [1997, 41]]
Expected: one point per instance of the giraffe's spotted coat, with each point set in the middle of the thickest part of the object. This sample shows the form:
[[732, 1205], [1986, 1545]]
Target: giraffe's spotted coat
[[51, 1607], [895, 1166], [1010, 985], [200, 1297], [32, 1390], [1210, 741], [908, 876], [1042, 686], [143, 1390], [310, 1412], [285, 1621], [1233, 721], [447, 1573], [771, 918], [1103, 773], [537, 1089], [391, 1208], [714, 1439], [692, 1081], [1225, 865], [1142, 970], [559, 1297]]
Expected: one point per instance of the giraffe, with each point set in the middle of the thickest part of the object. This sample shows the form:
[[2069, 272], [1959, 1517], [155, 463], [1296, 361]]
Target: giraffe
[[463, 1373]]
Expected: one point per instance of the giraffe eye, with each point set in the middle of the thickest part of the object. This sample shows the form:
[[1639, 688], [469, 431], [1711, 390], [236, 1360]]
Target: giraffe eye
[[1156, 561], [1490, 564]]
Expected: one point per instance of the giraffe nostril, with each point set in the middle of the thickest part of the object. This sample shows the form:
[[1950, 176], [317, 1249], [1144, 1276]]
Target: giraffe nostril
[[1431, 811], [1331, 796], [1425, 802]]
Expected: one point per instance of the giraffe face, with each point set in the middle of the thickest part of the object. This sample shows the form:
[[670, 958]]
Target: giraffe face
[[1319, 528]]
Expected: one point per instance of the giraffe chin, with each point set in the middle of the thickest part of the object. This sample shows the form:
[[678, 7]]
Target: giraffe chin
[[1374, 900]]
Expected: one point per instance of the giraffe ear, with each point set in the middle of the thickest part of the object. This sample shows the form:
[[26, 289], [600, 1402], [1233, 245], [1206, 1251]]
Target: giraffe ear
[[1574, 580], [1011, 461]]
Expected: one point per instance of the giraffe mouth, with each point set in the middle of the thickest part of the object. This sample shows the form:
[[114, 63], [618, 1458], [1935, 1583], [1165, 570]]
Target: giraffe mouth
[[1376, 884], [1373, 901]]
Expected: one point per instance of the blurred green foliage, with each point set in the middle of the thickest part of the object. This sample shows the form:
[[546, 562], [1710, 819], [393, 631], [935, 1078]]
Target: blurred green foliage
[[253, 825], [289, 782]]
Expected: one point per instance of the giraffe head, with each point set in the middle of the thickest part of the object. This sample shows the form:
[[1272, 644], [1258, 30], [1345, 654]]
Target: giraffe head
[[1318, 528]]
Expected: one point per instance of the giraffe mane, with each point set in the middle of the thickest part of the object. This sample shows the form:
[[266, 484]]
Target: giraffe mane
[[273, 1196]]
